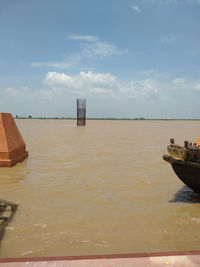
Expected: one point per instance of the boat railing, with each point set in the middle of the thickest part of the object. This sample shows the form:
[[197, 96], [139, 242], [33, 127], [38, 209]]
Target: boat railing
[[189, 152]]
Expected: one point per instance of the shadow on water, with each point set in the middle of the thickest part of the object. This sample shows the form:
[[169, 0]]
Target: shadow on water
[[185, 194]]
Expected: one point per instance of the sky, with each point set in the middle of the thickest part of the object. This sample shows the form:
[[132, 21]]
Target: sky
[[128, 58]]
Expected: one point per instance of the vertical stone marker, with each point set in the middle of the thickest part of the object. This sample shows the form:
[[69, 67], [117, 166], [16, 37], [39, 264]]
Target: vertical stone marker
[[81, 112], [12, 146]]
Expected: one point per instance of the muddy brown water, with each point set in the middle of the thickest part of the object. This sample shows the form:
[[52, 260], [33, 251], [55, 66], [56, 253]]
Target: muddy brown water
[[99, 189]]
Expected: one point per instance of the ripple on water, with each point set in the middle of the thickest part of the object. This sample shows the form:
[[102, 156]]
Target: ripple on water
[[99, 189]]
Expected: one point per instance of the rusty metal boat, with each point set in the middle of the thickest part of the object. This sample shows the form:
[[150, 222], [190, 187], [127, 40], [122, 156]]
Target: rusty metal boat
[[185, 161]]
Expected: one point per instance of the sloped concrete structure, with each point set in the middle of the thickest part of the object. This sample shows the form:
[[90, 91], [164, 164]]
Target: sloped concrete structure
[[12, 146]]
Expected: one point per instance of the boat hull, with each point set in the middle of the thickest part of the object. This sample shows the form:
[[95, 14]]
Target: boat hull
[[187, 172]]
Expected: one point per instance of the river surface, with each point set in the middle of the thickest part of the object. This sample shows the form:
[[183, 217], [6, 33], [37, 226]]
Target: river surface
[[99, 189]]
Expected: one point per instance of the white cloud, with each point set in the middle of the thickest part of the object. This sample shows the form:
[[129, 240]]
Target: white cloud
[[99, 49], [180, 84], [146, 72], [137, 89], [98, 78], [84, 83], [88, 38], [60, 79], [101, 84], [59, 65], [61, 90], [136, 8], [151, 74], [178, 81], [91, 47], [167, 39], [61, 86], [186, 85], [197, 86]]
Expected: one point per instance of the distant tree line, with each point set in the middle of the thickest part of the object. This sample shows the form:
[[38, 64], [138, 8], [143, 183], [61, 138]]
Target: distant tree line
[[69, 118], [88, 118]]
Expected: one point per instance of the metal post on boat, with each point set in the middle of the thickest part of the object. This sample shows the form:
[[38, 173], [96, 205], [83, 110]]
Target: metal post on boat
[[186, 144], [195, 145], [190, 145], [81, 112]]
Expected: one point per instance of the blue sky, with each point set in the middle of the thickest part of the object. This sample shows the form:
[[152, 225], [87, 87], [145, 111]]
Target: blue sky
[[128, 58]]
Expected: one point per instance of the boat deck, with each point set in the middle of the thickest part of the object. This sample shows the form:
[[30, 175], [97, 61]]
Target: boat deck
[[175, 259]]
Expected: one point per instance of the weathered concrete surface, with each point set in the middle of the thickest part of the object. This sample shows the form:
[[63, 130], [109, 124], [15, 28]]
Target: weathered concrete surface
[[12, 146], [180, 259]]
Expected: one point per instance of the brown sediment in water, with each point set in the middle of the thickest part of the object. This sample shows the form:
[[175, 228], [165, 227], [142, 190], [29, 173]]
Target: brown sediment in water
[[99, 189]]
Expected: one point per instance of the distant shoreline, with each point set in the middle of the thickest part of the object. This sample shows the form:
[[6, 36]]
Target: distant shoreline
[[117, 119]]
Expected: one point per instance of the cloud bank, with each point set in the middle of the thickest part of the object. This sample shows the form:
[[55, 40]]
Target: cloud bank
[[131, 98], [104, 84]]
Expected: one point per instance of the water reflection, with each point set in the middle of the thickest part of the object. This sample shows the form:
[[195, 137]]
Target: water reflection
[[186, 195]]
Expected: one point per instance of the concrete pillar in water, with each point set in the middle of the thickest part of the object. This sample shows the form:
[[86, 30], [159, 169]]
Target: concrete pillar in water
[[12, 146], [81, 112]]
